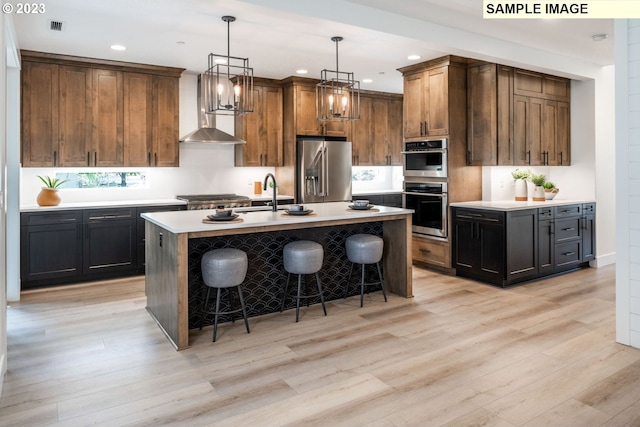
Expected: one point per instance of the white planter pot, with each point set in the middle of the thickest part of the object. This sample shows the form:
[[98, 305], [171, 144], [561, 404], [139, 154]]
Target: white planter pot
[[538, 194], [521, 190]]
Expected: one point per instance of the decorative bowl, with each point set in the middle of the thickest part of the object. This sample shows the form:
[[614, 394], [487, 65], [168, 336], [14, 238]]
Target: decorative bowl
[[549, 194], [224, 212], [360, 203]]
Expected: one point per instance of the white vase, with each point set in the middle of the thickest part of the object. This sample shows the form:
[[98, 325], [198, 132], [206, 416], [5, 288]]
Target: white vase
[[538, 194], [521, 190]]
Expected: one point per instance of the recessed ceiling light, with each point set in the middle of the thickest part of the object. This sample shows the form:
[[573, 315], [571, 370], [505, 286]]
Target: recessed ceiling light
[[180, 42], [118, 47], [367, 81], [599, 37], [414, 57], [301, 71]]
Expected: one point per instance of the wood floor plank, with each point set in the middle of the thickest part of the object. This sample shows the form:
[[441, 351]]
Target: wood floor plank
[[460, 353]]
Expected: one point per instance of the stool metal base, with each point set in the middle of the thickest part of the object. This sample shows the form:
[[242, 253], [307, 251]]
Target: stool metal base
[[305, 296], [217, 311], [363, 284]]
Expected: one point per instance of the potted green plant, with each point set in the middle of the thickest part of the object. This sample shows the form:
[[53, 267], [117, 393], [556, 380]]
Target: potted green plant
[[48, 195], [520, 176], [550, 190], [538, 192]]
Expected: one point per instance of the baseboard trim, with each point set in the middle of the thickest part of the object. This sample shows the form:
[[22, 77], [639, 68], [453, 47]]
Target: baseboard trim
[[603, 260]]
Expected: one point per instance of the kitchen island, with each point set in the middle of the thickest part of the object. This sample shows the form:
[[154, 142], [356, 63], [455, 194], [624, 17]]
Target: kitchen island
[[176, 241]]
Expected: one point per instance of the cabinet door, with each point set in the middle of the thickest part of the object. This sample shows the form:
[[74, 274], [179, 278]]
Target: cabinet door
[[491, 250], [362, 136], [437, 105], [306, 123], [262, 129], [108, 118], [588, 237], [522, 245], [138, 119], [40, 108], [414, 95], [50, 252], [482, 109], [394, 132], [465, 246], [248, 127], [528, 132], [108, 246], [379, 131], [75, 116], [165, 122], [271, 134], [504, 115], [546, 247], [563, 134]]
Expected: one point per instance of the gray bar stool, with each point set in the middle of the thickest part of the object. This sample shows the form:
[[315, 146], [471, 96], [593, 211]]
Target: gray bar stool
[[303, 257], [365, 249], [224, 268]]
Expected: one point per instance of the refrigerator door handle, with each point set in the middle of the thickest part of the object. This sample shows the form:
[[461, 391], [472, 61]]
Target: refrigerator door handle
[[325, 173]]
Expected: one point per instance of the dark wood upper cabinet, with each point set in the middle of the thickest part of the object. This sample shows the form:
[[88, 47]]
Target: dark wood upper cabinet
[[89, 112], [517, 117]]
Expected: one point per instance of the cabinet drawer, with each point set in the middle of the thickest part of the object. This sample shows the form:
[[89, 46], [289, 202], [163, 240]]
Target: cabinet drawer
[[109, 214], [545, 213], [431, 252], [568, 254], [566, 211], [568, 229], [480, 215], [51, 217], [589, 208]]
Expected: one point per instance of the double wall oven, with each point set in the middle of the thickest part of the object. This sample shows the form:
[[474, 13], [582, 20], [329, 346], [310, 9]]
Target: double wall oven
[[425, 186]]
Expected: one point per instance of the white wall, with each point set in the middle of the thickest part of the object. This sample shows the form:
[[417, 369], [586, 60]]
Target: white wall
[[628, 181]]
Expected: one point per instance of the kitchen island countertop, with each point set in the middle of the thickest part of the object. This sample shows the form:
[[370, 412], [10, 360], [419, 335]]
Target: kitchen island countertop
[[512, 205], [191, 221]]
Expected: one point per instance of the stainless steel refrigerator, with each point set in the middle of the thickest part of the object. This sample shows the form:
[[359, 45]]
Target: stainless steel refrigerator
[[323, 169]]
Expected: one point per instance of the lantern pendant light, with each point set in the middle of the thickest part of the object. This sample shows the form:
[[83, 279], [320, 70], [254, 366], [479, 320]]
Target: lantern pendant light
[[228, 82], [337, 94]]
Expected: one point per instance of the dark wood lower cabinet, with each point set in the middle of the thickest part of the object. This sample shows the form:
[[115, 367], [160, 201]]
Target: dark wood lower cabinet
[[60, 246], [511, 246], [393, 200]]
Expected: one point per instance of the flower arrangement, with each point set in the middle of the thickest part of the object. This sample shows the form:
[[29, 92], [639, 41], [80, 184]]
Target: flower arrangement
[[521, 174], [538, 180]]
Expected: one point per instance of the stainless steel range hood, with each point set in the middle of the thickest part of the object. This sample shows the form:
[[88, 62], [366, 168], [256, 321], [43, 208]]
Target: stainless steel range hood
[[207, 133]]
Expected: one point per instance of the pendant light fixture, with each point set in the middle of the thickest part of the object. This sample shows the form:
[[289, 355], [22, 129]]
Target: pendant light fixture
[[337, 94], [228, 82]]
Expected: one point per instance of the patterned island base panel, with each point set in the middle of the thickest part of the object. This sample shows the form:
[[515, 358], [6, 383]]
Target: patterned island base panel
[[264, 284]]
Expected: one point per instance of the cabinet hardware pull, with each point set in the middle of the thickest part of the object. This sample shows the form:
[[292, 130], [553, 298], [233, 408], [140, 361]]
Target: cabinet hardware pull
[[425, 251], [156, 157], [95, 158], [426, 128], [568, 229], [55, 157], [529, 157], [149, 158], [561, 158], [266, 162], [568, 253], [88, 158]]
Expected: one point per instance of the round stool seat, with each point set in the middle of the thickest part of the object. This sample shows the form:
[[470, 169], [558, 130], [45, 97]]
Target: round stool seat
[[303, 257], [224, 268], [364, 248]]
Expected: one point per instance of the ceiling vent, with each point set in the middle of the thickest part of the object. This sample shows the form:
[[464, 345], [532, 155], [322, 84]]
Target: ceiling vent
[[56, 26]]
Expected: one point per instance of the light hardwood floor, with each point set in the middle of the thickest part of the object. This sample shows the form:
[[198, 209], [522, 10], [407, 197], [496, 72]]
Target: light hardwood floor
[[460, 353]]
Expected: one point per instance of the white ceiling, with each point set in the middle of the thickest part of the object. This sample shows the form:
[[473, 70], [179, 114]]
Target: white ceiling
[[281, 36]]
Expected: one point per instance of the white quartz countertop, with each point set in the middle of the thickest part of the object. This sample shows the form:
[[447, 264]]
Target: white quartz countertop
[[191, 221], [111, 204], [512, 205]]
